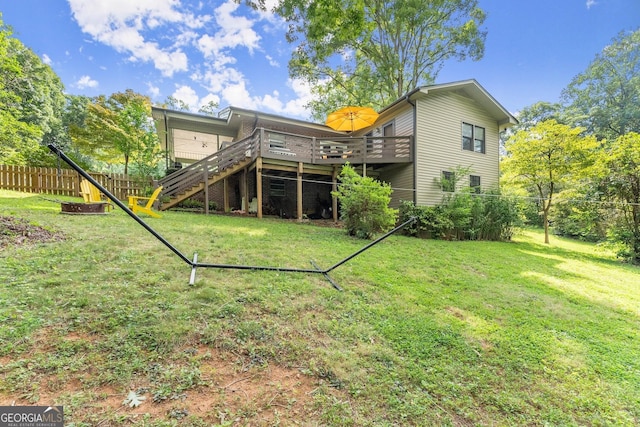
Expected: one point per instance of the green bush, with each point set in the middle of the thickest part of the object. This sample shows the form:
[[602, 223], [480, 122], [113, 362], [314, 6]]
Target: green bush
[[463, 216], [575, 216], [197, 204], [364, 204]]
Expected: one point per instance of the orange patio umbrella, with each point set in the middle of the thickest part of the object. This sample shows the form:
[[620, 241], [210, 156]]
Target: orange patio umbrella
[[351, 118]]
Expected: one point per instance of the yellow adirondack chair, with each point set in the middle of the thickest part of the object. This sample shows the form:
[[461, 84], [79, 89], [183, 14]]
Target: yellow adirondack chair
[[138, 209], [91, 194]]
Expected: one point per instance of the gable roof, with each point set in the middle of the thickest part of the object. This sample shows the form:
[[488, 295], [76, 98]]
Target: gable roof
[[469, 89]]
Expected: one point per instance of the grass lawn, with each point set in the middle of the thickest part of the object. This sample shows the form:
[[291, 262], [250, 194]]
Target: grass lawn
[[95, 310]]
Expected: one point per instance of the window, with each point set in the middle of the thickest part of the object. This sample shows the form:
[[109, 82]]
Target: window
[[276, 187], [448, 181], [474, 183], [276, 141], [473, 138], [388, 130]]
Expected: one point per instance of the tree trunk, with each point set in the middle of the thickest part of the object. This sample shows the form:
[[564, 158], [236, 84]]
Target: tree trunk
[[545, 216]]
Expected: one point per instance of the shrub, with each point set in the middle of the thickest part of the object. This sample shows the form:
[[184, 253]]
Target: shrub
[[463, 216], [364, 204], [576, 217]]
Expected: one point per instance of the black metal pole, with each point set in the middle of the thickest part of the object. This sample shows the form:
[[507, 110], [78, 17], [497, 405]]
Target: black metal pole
[[195, 264], [115, 200], [378, 240]]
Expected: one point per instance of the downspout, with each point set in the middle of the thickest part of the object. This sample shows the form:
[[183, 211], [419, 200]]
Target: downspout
[[413, 149]]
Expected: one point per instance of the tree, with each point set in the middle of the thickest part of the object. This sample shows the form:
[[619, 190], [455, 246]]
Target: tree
[[364, 204], [619, 167], [31, 102], [118, 129], [605, 97], [373, 52], [174, 103], [544, 158], [209, 108]]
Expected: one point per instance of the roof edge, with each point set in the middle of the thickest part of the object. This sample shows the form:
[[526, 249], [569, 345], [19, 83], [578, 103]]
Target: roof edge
[[415, 93]]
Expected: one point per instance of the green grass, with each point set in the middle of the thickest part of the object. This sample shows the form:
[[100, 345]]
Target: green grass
[[425, 332]]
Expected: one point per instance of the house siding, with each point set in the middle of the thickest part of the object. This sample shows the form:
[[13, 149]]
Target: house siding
[[439, 144], [401, 177]]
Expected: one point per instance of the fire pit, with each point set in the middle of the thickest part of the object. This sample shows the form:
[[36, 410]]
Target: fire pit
[[83, 208]]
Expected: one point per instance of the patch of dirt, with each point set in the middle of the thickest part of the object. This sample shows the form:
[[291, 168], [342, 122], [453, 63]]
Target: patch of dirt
[[18, 231], [232, 393]]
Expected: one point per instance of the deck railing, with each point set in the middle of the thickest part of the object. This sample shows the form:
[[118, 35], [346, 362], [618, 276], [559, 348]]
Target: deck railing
[[196, 173], [336, 150], [288, 146]]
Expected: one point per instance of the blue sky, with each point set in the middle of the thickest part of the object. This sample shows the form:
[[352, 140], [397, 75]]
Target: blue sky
[[216, 50]]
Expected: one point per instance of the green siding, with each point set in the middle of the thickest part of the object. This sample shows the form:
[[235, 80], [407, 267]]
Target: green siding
[[439, 143]]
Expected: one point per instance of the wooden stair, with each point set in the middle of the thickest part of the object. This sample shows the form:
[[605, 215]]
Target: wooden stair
[[213, 178], [190, 180]]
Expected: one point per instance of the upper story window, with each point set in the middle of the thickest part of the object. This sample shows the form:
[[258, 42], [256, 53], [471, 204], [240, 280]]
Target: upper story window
[[473, 138]]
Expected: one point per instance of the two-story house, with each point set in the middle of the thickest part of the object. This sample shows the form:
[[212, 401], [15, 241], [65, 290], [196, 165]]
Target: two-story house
[[269, 164]]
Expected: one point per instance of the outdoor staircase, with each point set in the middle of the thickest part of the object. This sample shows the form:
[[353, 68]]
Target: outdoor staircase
[[194, 178]]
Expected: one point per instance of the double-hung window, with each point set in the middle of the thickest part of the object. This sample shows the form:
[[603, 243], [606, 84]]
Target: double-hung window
[[473, 138], [474, 183]]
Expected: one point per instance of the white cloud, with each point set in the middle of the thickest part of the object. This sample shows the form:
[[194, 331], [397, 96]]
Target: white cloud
[[591, 3], [216, 81], [187, 95], [154, 91], [272, 61], [86, 82], [268, 15], [121, 24], [206, 41], [236, 94], [235, 31], [46, 59], [209, 98], [297, 106]]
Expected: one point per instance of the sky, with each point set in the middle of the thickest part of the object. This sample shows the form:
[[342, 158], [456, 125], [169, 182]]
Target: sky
[[218, 50]]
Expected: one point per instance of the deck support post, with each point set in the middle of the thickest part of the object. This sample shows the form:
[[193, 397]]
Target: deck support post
[[299, 188], [245, 189], [225, 194], [259, 185], [205, 183], [334, 199]]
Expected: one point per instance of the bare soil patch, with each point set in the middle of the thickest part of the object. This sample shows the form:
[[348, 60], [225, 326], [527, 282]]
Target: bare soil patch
[[18, 231], [231, 393]]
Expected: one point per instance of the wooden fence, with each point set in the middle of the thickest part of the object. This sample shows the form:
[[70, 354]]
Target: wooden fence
[[65, 182]]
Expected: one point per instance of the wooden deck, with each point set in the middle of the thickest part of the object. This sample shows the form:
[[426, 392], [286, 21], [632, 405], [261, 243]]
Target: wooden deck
[[279, 148]]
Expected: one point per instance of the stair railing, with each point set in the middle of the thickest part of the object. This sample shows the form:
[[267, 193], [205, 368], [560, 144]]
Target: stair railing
[[192, 175]]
